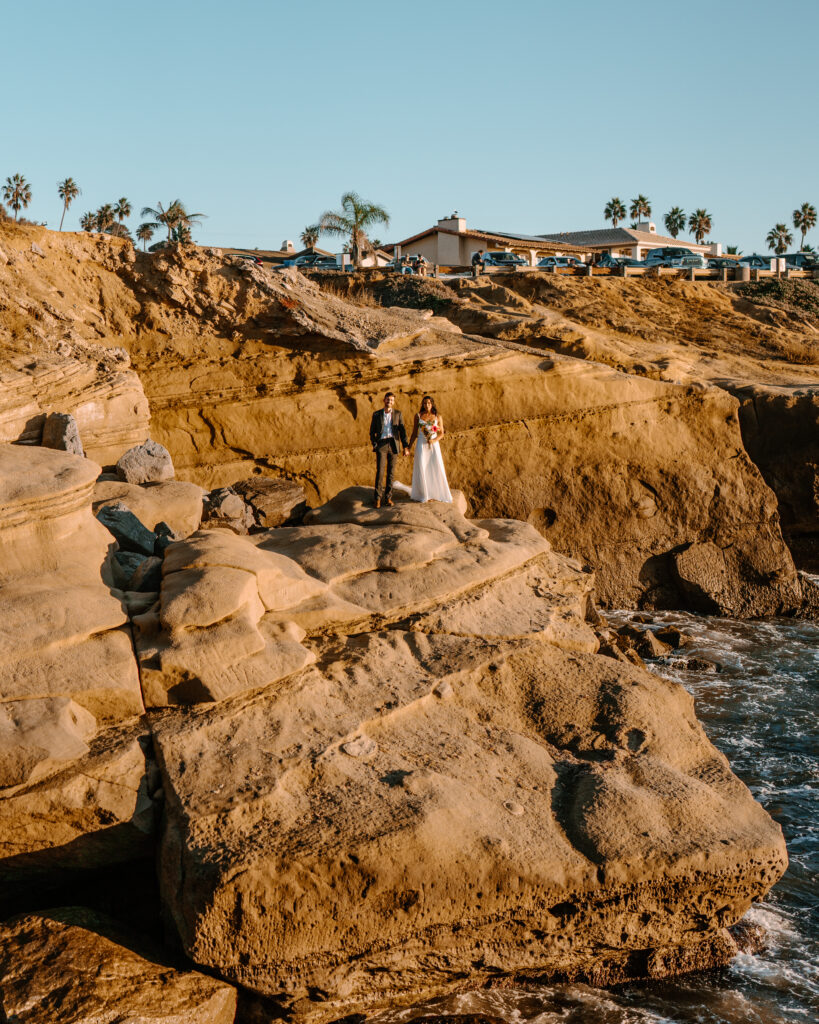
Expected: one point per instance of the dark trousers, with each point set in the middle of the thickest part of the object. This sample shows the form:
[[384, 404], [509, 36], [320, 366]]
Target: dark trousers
[[384, 466]]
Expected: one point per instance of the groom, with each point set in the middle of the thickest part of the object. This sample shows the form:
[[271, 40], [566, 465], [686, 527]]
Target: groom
[[387, 436]]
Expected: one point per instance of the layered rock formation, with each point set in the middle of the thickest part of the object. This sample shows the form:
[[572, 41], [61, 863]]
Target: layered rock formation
[[51, 966], [403, 767], [456, 787], [387, 757], [72, 766], [248, 370], [104, 396]]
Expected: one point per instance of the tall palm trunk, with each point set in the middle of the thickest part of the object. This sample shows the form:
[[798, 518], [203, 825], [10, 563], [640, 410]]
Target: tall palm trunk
[[65, 207]]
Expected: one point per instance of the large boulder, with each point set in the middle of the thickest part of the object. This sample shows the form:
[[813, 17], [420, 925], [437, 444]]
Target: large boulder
[[416, 809], [72, 964], [45, 514], [455, 786], [145, 463]]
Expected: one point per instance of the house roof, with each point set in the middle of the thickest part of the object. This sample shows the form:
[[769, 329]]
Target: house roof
[[499, 237], [604, 237]]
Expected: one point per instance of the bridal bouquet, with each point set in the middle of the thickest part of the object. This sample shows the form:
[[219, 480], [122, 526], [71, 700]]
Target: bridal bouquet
[[430, 431]]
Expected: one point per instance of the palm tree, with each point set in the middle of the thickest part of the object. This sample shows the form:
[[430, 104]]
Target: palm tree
[[122, 209], [118, 230], [640, 207], [614, 211], [804, 220], [674, 221], [700, 224], [145, 233], [68, 191], [88, 221], [104, 217], [355, 216], [779, 238], [310, 236], [733, 250], [17, 193], [173, 216]]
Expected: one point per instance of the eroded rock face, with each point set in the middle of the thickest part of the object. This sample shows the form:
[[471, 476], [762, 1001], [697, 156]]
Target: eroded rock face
[[98, 389], [236, 614], [456, 786], [435, 807], [71, 765], [72, 964]]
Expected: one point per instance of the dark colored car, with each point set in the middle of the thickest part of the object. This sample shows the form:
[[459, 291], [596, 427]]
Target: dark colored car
[[802, 260], [560, 261], [722, 263], [607, 260], [497, 258], [755, 260], [656, 257], [685, 261], [312, 261]]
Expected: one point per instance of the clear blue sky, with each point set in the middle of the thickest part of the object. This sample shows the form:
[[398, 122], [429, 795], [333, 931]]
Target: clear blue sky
[[524, 115]]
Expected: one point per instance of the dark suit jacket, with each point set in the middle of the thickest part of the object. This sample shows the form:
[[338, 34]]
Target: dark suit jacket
[[399, 434]]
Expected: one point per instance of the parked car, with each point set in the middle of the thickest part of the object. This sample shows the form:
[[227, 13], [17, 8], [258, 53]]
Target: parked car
[[686, 261], [755, 260], [312, 261], [607, 260], [722, 263], [802, 260], [560, 261], [654, 257], [497, 258]]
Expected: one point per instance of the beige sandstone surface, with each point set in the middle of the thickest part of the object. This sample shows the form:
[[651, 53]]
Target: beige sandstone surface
[[402, 767], [406, 769], [456, 787], [625, 465], [72, 965], [72, 770]]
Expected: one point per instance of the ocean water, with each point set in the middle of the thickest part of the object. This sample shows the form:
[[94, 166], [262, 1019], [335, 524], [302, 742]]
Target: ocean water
[[761, 711]]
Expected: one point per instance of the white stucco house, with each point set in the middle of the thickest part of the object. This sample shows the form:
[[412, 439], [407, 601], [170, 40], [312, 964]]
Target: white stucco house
[[451, 243]]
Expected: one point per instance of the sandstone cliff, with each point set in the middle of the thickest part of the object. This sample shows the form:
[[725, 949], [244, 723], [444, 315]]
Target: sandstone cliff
[[401, 766], [633, 462]]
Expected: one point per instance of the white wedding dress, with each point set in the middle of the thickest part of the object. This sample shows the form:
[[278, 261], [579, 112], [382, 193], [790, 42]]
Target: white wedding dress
[[429, 481]]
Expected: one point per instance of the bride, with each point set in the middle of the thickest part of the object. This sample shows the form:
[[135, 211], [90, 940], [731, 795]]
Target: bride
[[428, 474]]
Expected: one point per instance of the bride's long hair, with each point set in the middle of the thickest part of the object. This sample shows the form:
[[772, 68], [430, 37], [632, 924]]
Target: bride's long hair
[[431, 400]]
